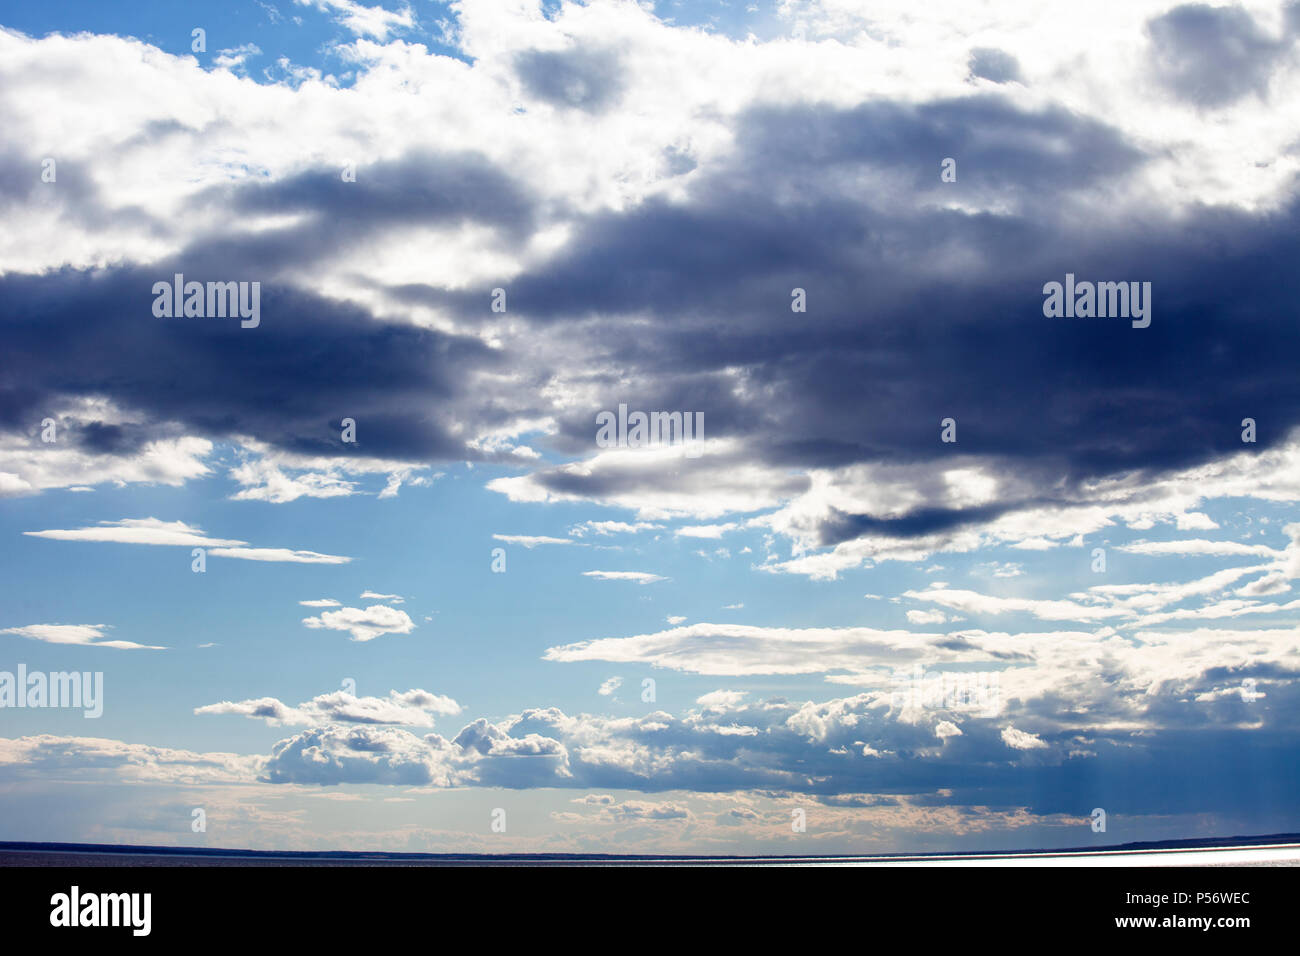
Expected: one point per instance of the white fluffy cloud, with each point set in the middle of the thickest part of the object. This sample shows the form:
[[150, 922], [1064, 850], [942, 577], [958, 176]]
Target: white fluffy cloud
[[364, 624]]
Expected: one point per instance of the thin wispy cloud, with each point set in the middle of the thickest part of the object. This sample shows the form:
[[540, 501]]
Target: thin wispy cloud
[[84, 635]]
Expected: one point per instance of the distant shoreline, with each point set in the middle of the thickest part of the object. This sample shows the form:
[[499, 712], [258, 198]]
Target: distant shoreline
[[19, 854]]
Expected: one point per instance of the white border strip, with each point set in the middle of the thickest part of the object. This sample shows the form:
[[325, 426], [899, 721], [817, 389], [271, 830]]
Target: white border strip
[[1284, 854]]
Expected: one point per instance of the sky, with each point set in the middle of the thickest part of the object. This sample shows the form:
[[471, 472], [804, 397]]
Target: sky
[[360, 569]]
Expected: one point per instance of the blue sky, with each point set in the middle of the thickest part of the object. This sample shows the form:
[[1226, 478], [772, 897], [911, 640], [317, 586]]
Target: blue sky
[[649, 185]]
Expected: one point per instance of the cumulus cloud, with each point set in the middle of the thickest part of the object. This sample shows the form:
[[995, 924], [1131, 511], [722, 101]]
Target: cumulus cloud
[[364, 624], [369, 21], [721, 701], [1019, 740], [840, 746]]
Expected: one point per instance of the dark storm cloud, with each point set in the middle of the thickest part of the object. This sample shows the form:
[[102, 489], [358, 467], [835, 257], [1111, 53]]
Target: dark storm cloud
[[106, 439], [311, 362], [790, 206], [588, 80], [338, 217], [1212, 56], [917, 312], [418, 189], [290, 381], [845, 527]]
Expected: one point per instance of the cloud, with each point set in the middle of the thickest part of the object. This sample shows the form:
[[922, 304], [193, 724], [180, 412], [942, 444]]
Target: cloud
[[1120, 603], [596, 800], [374, 596], [362, 20], [279, 555], [643, 810], [333, 755], [696, 161], [840, 746], [276, 476], [640, 577], [178, 534], [972, 602], [413, 708], [995, 65], [1269, 584], [264, 481], [1212, 56], [721, 701], [530, 541], [613, 527], [49, 757], [730, 171], [96, 443], [945, 729], [608, 687], [1198, 547], [235, 57], [736, 649], [363, 624], [704, 531], [85, 635], [926, 617], [1096, 716], [139, 531], [1019, 740], [583, 79]]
